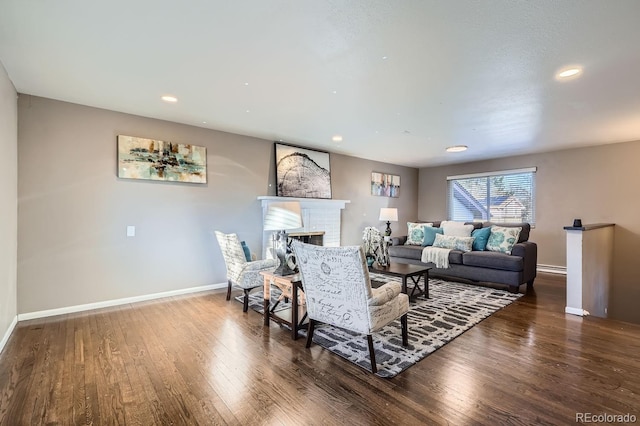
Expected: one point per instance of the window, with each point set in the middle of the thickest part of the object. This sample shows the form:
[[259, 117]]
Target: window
[[507, 196]]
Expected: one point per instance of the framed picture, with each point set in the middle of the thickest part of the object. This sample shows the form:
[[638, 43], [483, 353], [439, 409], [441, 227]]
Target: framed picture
[[302, 172], [140, 158], [385, 185]]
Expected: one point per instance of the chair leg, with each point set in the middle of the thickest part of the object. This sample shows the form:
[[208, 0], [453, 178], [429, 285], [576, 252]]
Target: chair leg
[[245, 306], [405, 335], [310, 329], [229, 290], [372, 354]]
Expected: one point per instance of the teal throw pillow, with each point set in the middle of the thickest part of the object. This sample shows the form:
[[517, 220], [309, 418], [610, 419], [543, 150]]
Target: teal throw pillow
[[430, 235], [481, 237], [245, 249]]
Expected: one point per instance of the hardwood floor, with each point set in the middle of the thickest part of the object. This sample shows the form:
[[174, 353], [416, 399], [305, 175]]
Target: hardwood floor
[[198, 359]]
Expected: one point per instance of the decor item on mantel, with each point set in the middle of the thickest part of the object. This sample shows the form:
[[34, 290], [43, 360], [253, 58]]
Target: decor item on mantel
[[385, 185], [389, 215], [140, 158], [282, 217], [302, 172]]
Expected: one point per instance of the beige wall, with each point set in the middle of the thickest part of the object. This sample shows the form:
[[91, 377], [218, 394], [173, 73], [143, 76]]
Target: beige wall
[[74, 211], [596, 184], [8, 201], [351, 179]]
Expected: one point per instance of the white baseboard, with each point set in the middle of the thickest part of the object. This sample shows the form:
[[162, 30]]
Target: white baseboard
[[116, 302], [575, 311], [552, 269], [5, 339]]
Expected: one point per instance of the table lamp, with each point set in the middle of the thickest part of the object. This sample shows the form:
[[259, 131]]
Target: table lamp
[[389, 215], [282, 217]]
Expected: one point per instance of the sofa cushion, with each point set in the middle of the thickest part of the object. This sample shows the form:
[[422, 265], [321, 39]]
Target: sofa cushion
[[456, 229], [430, 235], [502, 239], [415, 235], [524, 232], [493, 260], [454, 243], [406, 251], [480, 238], [455, 257]]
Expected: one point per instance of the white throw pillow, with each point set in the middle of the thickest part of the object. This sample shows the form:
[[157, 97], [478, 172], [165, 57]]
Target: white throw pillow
[[456, 229]]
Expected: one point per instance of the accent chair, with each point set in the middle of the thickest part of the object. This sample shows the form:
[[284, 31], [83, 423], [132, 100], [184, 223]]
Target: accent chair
[[338, 292], [240, 272]]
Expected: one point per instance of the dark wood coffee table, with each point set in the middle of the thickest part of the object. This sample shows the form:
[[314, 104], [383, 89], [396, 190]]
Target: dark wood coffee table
[[404, 271]]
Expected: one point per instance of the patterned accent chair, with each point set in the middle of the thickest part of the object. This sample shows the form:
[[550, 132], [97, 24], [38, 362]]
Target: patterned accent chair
[[241, 273], [338, 292]]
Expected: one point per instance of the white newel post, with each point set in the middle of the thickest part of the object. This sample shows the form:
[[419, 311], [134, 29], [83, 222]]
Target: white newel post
[[589, 269], [317, 215]]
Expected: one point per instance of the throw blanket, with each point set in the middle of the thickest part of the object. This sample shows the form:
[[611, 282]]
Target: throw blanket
[[436, 255]]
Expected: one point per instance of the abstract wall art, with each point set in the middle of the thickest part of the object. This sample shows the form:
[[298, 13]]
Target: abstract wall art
[[141, 158], [385, 185], [302, 172]]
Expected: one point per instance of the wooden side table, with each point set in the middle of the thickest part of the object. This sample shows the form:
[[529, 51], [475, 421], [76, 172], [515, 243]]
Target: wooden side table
[[404, 271], [291, 288]]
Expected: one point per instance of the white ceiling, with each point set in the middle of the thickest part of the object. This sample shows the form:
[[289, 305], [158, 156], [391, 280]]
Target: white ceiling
[[479, 73]]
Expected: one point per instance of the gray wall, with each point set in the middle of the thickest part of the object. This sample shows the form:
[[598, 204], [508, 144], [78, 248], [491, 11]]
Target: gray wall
[[596, 184], [74, 211], [8, 200]]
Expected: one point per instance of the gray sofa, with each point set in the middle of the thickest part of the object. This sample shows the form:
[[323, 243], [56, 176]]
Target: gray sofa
[[513, 269]]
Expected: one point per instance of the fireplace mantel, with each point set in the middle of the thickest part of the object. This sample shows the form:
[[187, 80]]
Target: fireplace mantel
[[306, 203], [317, 215]]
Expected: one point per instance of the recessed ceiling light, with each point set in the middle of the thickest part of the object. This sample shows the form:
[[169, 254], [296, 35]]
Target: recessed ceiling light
[[248, 110], [334, 92], [204, 122], [169, 98], [336, 138], [246, 84], [569, 72], [385, 57], [456, 148]]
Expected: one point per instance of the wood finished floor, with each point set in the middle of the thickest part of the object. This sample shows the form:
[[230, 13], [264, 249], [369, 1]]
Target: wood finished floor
[[198, 359]]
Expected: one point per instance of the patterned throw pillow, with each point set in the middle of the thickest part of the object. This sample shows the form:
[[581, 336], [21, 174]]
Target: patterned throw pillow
[[456, 229], [453, 243], [415, 236], [503, 239]]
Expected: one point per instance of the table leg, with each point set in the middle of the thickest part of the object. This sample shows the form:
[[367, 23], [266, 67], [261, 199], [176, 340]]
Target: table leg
[[294, 311], [426, 284], [404, 285], [267, 299]]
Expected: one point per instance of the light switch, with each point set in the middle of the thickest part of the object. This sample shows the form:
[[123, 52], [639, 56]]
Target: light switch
[[131, 231]]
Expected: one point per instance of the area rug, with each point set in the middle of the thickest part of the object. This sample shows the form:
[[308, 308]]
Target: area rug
[[452, 309]]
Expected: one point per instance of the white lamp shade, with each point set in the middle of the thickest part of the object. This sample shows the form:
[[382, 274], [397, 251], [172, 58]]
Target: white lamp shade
[[283, 216], [389, 214]]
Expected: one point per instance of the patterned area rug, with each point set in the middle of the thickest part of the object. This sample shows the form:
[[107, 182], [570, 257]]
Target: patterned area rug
[[452, 309]]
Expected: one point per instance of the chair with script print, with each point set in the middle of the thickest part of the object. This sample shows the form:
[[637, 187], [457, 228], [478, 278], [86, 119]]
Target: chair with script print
[[240, 272], [338, 292]]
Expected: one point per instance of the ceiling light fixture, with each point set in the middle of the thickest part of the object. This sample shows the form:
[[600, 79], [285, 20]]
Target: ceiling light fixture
[[170, 99], [568, 72], [456, 148], [337, 138]]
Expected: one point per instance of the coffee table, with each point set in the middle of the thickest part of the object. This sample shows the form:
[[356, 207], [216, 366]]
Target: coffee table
[[404, 271]]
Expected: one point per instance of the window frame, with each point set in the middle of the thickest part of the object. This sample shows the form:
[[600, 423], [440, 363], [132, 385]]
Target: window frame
[[488, 175]]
